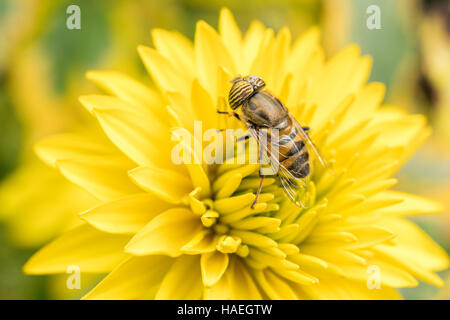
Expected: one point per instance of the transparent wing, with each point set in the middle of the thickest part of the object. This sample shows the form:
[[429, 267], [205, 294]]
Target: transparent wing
[[323, 161], [289, 187], [287, 180]]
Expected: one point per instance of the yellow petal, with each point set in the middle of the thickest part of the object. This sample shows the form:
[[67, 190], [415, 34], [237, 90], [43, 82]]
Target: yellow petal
[[163, 72], [331, 237], [125, 215], [129, 90], [104, 177], [181, 106], [231, 36], [169, 185], [144, 144], [73, 145], [198, 207], [308, 260], [253, 39], [253, 223], [203, 106], [203, 242], [344, 65], [414, 246], [368, 236], [235, 284], [367, 100], [183, 280], [299, 61], [166, 234], [274, 287], [402, 131], [390, 275], [85, 247], [410, 266], [337, 288], [281, 50], [177, 49], [335, 255], [244, 171], [230, 186], [210, 53], [199, 179], [135, 278], [410, 206], [234, 203], [33, 218], [213, 266], [253, 238]]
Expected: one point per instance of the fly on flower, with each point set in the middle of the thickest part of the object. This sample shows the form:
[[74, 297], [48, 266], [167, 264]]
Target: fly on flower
[[262, 113]]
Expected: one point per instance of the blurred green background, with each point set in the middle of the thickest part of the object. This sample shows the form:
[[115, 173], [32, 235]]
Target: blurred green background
[[42, 66]]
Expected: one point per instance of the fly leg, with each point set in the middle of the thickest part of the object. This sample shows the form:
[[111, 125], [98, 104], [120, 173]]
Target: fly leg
[[260, 181], [242, 138], [234, 114], [306, 129], [231, 114]]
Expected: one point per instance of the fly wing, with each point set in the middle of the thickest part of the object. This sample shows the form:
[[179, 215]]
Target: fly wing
[[289, 186], [323, 161], [287, 180]]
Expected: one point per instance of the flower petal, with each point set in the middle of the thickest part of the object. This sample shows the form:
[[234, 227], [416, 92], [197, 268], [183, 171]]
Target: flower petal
[[231, 36], [183, 280], [202, 242], [413, 246], [73, 145], [84, 246], [169, 185], [166, 234], [391, 275], [125, 215], [129, 90], [305, 50], [163, 72], [131, 133], [213, 266], [253, 40], [177, 49], [339, 288], [210, 53], [135, 278], [203, 106], [103, 177], [274, 286], [347, 66], [33, 218], [368, 236], [235, 284], [410, 206]]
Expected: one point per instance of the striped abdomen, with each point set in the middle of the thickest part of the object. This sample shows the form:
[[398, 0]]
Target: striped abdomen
[[293, 154]]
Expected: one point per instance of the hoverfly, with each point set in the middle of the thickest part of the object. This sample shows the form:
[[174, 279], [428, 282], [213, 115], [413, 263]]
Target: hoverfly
[[261, 111]]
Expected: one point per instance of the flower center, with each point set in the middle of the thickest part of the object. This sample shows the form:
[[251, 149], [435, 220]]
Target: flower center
[[265, 235]]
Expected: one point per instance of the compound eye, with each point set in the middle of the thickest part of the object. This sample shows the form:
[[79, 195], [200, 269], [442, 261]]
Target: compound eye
[[239, 92], [259, 82]]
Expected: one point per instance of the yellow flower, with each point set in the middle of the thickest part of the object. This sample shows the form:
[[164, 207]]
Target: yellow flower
[[169, 231]]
